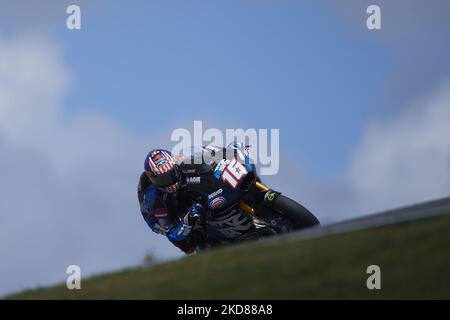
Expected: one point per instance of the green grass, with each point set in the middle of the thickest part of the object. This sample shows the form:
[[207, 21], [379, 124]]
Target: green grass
[[414, 259]]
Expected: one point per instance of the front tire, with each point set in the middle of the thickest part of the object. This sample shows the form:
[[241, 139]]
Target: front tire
[[295, 213]]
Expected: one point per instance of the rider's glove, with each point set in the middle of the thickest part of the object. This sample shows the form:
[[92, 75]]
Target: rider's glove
[[193, 214], [184, 228]]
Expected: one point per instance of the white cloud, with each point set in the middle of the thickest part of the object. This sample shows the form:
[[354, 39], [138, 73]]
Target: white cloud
[[406, 160], [67, 187]]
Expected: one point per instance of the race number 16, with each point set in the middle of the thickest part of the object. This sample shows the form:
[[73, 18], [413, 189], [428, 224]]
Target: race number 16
[[233, 173]]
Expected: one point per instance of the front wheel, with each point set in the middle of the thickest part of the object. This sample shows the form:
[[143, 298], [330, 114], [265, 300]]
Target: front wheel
[[294, 212]]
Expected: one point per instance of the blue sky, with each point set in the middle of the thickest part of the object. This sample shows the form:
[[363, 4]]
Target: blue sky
[[289, 65]]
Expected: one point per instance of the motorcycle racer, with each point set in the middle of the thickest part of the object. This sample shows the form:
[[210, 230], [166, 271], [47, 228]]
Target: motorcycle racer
[[168, 211], [160, 203]]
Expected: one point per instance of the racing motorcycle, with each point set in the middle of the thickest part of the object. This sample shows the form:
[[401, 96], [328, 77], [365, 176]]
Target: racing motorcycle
[[238, 205]]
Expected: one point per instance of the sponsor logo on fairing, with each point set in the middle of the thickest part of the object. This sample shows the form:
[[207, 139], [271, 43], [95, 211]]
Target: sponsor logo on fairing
[[217, 203], [215, 193], [271, 196], [193, 180]]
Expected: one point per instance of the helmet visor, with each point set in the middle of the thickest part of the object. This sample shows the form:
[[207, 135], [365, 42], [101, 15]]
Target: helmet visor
[[166, 179]]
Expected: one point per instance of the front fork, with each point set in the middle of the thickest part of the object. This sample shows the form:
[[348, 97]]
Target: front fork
[[244, 206], [265, 211]]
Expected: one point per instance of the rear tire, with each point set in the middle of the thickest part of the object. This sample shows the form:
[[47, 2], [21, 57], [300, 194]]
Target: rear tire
[[295, 213]]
